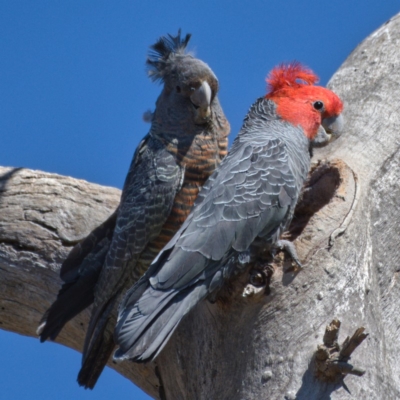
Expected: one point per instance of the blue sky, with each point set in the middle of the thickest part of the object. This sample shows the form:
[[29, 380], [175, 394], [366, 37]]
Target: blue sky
[[73, 89]]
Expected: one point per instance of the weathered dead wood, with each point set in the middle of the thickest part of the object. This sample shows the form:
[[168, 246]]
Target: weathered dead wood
[[252, 347], [332, 360]]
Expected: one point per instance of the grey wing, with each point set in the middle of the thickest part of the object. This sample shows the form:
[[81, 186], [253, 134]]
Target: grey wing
[[146, 201], [80, 272], [150, 187], [252, 193]]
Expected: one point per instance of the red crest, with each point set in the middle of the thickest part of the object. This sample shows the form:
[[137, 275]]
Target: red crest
[[291, 75]]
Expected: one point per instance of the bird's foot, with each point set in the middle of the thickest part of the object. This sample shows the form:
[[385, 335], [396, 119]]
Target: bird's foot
[[290, 249]]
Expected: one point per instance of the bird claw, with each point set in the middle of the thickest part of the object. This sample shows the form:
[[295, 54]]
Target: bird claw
[[290, 249]]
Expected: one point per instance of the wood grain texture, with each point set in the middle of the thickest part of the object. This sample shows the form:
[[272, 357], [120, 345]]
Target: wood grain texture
[[257, 346]]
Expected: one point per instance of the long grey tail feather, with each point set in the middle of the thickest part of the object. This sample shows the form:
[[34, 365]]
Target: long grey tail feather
[[80, 271], [95, 359], [145, 328], [73, 298]]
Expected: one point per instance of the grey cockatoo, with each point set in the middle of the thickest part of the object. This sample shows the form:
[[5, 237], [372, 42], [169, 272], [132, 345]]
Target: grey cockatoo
[[187, 140]]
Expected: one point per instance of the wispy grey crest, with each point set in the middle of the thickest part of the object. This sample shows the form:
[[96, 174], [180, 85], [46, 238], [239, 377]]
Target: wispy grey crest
[[163, 54]]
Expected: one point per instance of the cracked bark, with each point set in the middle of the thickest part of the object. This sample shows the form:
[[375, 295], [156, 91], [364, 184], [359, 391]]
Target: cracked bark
[[249, 347]]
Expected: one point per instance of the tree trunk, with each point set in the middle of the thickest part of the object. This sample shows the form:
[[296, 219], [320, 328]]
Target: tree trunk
[[250, 344]]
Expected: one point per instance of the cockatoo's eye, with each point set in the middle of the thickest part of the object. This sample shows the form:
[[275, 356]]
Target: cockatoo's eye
[[318, 105], [178, 89]]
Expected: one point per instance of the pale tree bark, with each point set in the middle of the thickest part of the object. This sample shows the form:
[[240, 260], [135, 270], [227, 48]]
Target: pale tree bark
[[249, 345]]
